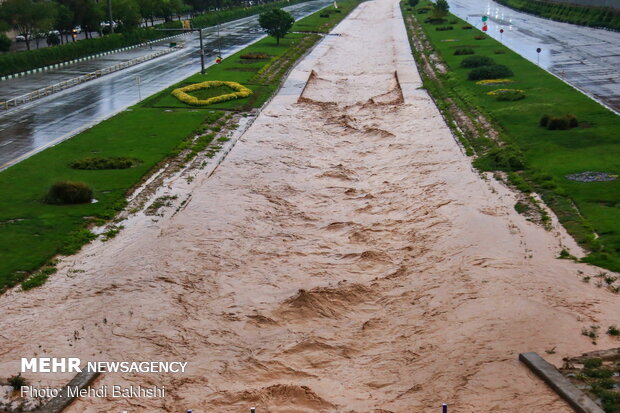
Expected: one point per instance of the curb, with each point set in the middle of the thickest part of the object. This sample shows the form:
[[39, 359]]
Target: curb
[[83, 59], [567, 390], [40, 93]]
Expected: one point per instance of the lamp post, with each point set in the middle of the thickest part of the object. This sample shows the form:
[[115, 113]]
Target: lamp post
[[110, 16]]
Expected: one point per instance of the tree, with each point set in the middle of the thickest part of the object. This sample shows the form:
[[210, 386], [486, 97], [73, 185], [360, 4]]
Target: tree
[[127, 13], [276, 22], [19, 15], [440, 10], [65, 21], [5, 43], [413, 3]]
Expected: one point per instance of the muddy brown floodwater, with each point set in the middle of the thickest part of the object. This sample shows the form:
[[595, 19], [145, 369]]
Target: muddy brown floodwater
[[344, 257]]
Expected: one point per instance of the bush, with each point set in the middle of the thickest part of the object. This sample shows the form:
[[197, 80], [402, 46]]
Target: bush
[[508, 95], [324, 15], [68, 192], [558, 123], [413, 3], [5, 43], [477, 61], [499, 51], [463, 51], [572, 121], [444, 28], [256, 56], [480, 37], [467, 27], [17, 381], [117, 162], [490, 72]]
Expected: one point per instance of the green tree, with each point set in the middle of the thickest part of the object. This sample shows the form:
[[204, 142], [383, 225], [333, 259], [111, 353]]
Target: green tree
[[440, 9], [65, 21], [126, 13], [413, 3], [276, 22], [5, 43], [19, 14]]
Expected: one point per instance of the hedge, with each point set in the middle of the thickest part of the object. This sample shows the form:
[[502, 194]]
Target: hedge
[[22, 61]]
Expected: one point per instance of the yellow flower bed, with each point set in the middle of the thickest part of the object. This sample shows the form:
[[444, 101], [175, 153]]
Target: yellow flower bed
[[493, 81], [503, 91], [183, 95]]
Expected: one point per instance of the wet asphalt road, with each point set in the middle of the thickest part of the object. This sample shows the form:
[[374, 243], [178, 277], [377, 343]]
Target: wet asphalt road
[[39, 124], [587, 58]]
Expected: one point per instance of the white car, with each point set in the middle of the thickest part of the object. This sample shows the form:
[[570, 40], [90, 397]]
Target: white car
[[20, 38], [77, 29]]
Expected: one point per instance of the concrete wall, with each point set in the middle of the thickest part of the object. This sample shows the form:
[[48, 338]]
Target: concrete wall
[[598, 3]]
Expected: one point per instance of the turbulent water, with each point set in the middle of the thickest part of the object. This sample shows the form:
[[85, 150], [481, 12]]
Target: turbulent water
[[344, 257]]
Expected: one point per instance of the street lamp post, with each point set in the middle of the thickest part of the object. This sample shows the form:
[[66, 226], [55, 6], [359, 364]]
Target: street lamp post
[[110, 16]]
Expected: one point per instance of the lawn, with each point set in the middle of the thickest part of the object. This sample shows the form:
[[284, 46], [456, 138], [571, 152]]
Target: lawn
[[33, 232], [549, 155]]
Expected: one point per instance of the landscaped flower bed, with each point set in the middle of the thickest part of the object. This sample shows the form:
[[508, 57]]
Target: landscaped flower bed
[[507, 94], [492, 82], [183, 95]]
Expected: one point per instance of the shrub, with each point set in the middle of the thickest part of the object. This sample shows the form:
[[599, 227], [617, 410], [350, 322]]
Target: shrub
[[68, 192], [558, 124], [593, 363], [477, 61], [435, 20], [544, 120], [5, 43], [463, 51], [500, 51], [507, 94], [572, 121], [480, 37], [490, 72], [413, 3], [255, 56], [324, 15], [467, 27], [17, 381], [613, 331], [116, 162], [443, 28]]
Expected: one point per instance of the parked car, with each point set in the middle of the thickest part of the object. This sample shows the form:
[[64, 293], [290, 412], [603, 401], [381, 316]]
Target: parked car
[[20, 38], [77, 29]]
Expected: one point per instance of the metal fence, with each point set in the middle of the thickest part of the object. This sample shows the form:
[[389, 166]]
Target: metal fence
[[49, 90]]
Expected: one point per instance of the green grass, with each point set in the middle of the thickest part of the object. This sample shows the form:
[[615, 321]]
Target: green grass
[[262, 76], [32, 232], [549, 155]]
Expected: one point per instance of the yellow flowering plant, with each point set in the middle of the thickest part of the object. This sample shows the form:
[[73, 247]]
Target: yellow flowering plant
[[183, 95], [493, 81]]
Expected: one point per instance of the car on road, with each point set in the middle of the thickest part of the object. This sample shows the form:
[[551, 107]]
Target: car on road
[[20, 38]]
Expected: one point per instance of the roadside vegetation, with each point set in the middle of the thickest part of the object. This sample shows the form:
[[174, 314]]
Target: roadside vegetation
[[160, 130], [528, 126], [602, 17], [88, 17]]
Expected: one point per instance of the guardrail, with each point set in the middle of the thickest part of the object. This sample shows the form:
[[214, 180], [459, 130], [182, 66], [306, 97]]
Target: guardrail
[[86, 58], [49, 90]]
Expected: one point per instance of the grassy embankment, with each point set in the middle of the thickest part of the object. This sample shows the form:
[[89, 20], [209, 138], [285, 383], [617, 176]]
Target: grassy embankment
[[568, 13], [534, 157], [32, 232]]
